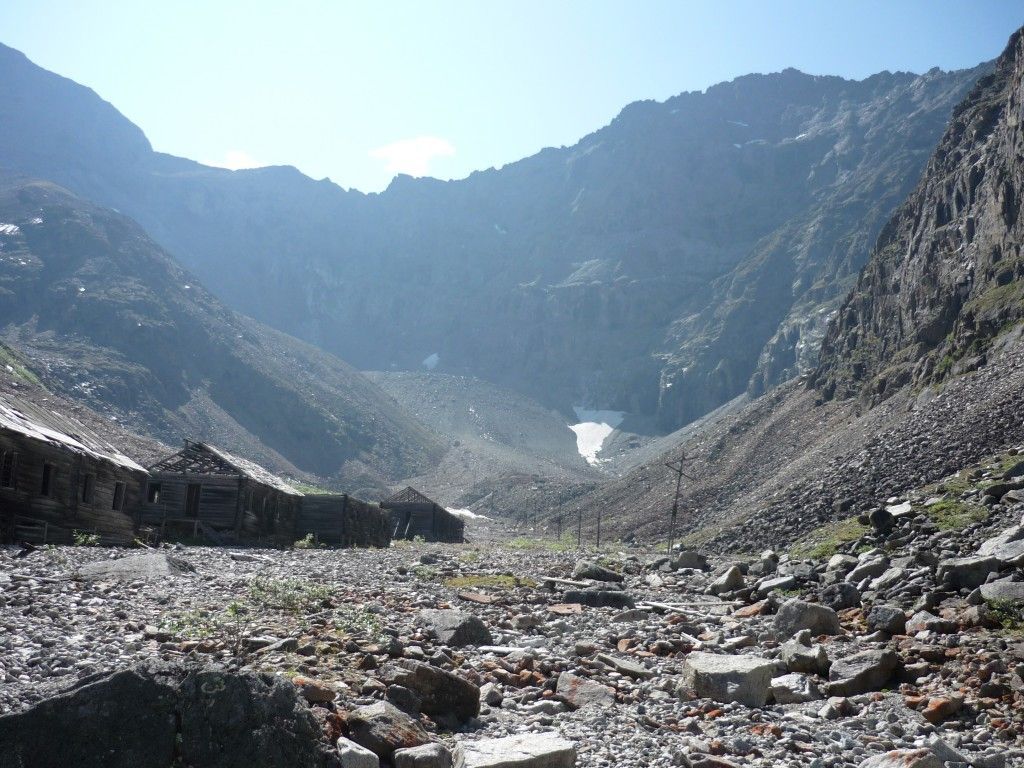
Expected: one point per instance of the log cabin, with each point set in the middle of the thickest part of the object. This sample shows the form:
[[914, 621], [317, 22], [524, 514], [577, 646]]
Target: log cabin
[[340, 520], [208, 491], [58, 478], [413, 514]]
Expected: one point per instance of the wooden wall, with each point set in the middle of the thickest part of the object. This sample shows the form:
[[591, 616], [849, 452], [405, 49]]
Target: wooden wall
[[24, 508], [428, 521], [342, 521]]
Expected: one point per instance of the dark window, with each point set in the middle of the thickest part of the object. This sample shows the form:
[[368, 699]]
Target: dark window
[[88, 487], [192, 500], [8, 469], [47, 485], [118, 496], [153, 493]]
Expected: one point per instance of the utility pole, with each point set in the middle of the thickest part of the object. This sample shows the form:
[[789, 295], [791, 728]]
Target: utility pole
[[599, 529], [579, 529], [677, 467], [558, 524]]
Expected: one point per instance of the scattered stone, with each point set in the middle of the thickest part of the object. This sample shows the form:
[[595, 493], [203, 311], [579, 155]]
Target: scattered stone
[[923, 621], [426, 756], [729, 581], [965, 572], [529, 750], [580, 692], [382, 728], [588, 569], [354, 755], [690, 559], [599, 598], [456, 628], [726, 679], [1004, 591], [862, 672], [795, 614], [794, 689], [442, 692], [155, 566], [904, 758], [888, 619]]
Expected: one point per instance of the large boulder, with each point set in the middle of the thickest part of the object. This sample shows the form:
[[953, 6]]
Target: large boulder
[[989, 547], [441, 692], [588, 569], [528, 750], [690, 559], [456, 628], [743, 679], [1004, 591], [798, 657], [862, 672], [427, 756], [153, 566], [904, 758], [794, 689], [795, 614], [730, 580], [887, 618], [354, 755], [382, 728], [968, 572]]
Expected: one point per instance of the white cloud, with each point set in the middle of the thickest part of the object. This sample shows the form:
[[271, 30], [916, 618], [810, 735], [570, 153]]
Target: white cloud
[[236, 160], [413, 156]]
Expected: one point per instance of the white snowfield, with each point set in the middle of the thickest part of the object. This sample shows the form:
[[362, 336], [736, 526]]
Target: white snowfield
[[9, 229], [466, 514], [592, 430], [430, 363]]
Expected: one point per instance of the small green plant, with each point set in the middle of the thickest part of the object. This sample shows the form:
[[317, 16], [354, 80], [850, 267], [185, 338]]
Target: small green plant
[[228, 626], [85, 539], [423, 573], [358, 620], [485, 580], [1009, 614], [823, 542], [291, 595], [950, 515], [308, 542]]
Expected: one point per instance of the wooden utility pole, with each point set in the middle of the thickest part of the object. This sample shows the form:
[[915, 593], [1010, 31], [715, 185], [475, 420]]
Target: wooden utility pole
[[579, 529], [599, 528], [677, 467]]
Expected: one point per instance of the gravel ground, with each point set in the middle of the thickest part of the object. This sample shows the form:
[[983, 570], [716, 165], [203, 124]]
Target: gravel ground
[[334, 617]]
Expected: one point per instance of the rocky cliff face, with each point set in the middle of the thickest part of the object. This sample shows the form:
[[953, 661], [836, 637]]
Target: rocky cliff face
[[108, 318], [946, 277], [688, 251]]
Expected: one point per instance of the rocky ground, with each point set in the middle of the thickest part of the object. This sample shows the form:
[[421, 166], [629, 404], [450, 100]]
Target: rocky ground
[[901, 632]]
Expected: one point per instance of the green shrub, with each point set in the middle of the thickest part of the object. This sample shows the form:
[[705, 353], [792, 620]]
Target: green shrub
[[823, 542], [85, 539], [291, 595], [308, 542]]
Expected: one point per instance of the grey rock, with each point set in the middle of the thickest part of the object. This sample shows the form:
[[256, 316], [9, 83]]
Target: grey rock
[[580, 692], [841, 595], [1010, 535], [625, 666], [862, 672], [726, 679], [841, 563], [456, 628], [871, 567], [599, 598], [794, 689], [904, 758], [1002, 590], [690, 559], [441, 692], [796, 614], [354, 755], [528, 750], [923, 621], [588, 569], [778, 582], [801, 658], [382, 728], [426, 756], [155, 566], [969, 572], [887, 618], [730, 580]]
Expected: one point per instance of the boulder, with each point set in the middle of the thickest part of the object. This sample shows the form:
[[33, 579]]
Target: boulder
[[690, 559], [382, 728], [1004, 591], [354, 755], [580, 692], [887, 618], [528, 750], [456, 628], [869, 567], [588, 569], [776, 582], [426, 756], [441, 692], [599, 598], [1010, 554], [795, 614], [862, 672], [881, 520], [800, 658], [841, 595], [989, 546], [969, 572], [841, 563], [743, 679], [923, 621], [794, 689], [152, 566], [728, 581], [904, 758]]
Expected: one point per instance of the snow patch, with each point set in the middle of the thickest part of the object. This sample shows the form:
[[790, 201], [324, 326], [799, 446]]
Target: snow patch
[[9, 229], [592, 430], [430, 363], [739, 123], [466, 514]]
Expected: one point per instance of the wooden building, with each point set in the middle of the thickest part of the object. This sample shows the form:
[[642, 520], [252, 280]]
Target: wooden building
[[57, 477], [339, 520], [206, 490], [413, 514]]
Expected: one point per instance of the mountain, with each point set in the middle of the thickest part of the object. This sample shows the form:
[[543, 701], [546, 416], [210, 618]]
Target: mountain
[[101, 313], [687, 252], [921, 373], [946, 277]]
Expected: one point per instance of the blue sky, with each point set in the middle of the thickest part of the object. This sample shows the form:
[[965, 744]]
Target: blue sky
[[359, 91]]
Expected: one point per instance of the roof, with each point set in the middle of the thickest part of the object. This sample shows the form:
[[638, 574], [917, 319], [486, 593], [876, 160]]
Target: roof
[[37, 422], [408, 495], [206, 459]]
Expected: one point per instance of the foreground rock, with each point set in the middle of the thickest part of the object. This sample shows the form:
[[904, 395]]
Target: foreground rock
[[743, 679], [382, 728], [588, 569], [862, 672], [545, 750], [456, 628], [142, 718], [902, 758], [795, 615], [441, 693], [149, 567]]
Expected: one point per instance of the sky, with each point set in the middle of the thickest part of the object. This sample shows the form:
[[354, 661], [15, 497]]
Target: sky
[[360, 91]]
